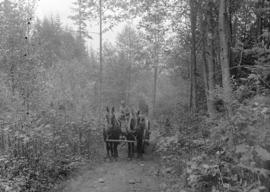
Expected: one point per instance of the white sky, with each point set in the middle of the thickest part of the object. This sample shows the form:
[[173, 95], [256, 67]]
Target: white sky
[[46, 8]]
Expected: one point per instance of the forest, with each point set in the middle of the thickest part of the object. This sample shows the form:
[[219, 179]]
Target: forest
[[200, 68]]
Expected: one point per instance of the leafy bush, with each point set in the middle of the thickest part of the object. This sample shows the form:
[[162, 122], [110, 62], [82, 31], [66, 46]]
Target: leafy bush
[[225, 154], [44, 150]]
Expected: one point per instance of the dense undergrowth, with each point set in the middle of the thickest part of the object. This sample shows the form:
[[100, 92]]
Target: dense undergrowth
[[44, 151], [224, 154]]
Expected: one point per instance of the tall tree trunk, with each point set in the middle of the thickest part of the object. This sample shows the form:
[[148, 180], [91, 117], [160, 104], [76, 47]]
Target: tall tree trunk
[[129, 82], [224, 52], [96, 94], [205, 75], [193, 90], [155, 78], [12, 75], [208, 68], [211, 64], [80, 20], [100, 65], [155, 89], [260, 19], [156, 63], [12, 69], [129, 68], [211, 80]]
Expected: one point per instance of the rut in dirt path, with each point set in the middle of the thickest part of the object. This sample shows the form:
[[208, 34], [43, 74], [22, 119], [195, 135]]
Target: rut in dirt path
[[120, 176]]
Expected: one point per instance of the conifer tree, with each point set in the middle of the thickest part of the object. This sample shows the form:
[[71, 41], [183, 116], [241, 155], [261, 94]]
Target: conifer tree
[[80, 17]]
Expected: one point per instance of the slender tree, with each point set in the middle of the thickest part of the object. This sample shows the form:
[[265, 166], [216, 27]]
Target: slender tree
[[208, 57], [100, 64], [80, 18], [193, 68], [224, 6]]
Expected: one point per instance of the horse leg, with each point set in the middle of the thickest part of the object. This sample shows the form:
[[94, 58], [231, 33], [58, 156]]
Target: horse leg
[[143, 142], [129, 147], [143, 147], [134, 144], [116, 150], [132, 150], [113, 149], [108, 149], [129, 150], [139, 145], [106, 144]]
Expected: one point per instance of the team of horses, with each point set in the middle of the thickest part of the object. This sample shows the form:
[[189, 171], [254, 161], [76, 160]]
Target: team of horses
[[133, 129]]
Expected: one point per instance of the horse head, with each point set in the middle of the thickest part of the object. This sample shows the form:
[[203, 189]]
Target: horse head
[[111, 119], [140, 119]]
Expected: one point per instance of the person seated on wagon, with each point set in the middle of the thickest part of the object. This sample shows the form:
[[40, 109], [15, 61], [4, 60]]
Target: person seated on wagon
[[124, 111]]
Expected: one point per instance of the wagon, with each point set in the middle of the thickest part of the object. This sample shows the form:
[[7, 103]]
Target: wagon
[[123, 138]]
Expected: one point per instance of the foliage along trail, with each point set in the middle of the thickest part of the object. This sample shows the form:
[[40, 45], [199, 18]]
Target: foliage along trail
[[119, 176]]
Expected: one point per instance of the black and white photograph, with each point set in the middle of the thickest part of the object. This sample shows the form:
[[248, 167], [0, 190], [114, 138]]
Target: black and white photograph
[[134, 95]]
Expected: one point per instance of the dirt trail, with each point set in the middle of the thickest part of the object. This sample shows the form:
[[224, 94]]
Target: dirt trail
[[119, 176]]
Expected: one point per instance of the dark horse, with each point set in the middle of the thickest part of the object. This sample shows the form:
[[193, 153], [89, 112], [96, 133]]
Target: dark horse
[[112, 131], [142, 133]]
